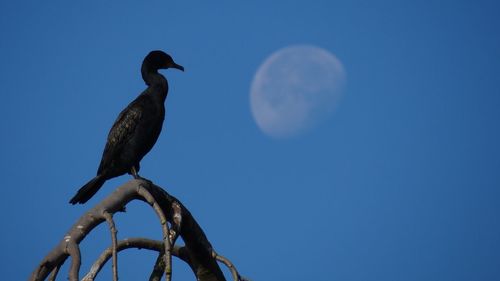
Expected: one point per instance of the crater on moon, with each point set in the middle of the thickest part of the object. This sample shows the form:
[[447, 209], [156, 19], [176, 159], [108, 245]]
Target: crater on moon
[[294, 89]]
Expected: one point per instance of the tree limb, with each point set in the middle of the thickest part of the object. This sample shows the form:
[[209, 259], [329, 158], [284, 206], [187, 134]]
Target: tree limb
[[139, 243], [158, 268], [76, 261], [54, 272], [164, 226], [229, 264], [154, 245], [112, 229], [197, 251]]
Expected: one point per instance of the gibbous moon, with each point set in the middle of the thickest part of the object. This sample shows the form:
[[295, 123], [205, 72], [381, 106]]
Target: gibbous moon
[[294, 89]]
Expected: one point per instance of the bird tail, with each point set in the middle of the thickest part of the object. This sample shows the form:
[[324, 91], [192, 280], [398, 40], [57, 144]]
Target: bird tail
[[88, 190]]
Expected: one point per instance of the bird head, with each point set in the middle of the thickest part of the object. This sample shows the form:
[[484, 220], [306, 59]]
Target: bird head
[[160, 60]]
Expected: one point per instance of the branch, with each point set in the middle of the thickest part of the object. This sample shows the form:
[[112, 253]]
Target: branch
[[164, 226], [158, 268], [139, 243], [54, 272], [112, 229], [197, 251], [229, 264], [154, 245]]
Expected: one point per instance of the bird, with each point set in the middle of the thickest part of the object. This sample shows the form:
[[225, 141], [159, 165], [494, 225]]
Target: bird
[[136, 128]]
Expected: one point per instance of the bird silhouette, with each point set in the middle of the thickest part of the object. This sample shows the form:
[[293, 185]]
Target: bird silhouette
[[136, 129]]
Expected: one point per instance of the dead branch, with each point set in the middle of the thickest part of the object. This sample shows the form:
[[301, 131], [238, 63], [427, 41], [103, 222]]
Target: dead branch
[[53, 274], [154, 245], [158, 268], [164, 226], [229, 264], [112, 229], [138, 243], [76, 260], [197, 251]]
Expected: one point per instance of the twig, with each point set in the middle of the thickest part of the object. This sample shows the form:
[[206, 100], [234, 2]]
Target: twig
[[229, 264], [112, 229], [163, 220]]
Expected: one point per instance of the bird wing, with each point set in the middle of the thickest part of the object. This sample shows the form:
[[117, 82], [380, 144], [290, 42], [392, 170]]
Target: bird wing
[[121, 132]]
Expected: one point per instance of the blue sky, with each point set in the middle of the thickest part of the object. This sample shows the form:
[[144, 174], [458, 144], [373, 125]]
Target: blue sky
[[401, 183]]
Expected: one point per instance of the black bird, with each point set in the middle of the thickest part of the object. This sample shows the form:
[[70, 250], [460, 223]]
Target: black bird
[[136, 129]]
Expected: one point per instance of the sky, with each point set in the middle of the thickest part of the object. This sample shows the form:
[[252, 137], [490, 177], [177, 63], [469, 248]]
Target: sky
[[401, 182]]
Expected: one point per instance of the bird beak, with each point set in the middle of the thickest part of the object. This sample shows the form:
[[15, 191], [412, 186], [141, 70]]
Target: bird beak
[[180, 67]]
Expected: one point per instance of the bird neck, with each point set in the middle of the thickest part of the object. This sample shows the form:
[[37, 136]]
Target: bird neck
[[155, 80], [152, 77]]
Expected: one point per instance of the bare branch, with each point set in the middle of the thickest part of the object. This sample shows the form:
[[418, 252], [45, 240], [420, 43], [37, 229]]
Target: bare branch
[[197, 252], [163, 220], [112, 229], [158, 268], [149, 244], [139, 243], [229, 264], [74, 251], [112, 204], [53, 274]]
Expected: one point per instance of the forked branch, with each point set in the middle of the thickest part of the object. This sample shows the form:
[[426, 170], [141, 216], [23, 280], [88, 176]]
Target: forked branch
[[197, 252], [153, 245]]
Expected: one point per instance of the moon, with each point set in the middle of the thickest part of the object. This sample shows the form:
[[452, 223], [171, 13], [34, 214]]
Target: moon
[[294, 89]]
